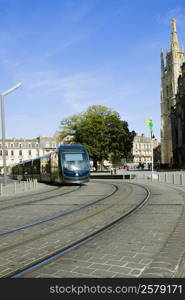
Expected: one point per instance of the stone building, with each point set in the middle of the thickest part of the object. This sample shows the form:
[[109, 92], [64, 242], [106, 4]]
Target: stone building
[[169, 80], [18, 150], [142, 149], [178, 124]]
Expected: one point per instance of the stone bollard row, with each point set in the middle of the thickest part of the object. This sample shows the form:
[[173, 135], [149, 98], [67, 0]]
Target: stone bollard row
[[18, 187], [175, 179]]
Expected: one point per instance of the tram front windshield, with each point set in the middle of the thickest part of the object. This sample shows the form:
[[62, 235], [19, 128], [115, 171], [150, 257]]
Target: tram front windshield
[[75, 161]]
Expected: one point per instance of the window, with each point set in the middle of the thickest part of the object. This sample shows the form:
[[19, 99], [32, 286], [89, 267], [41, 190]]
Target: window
[[29, 152], [20, 152], [167, 91], [20, 145], [12, 153], [1, 152], [6, 152]]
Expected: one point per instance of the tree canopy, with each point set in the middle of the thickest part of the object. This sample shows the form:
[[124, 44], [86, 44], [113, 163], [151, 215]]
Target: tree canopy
[[102, 131]]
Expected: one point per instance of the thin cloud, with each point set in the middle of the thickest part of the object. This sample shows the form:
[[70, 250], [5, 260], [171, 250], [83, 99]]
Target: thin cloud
[[78, 12], [79, 90], [176, 13], [82, 36]]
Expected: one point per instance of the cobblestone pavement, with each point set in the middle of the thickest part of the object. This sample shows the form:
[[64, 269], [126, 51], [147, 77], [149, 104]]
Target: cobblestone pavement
[[150, 243], [25, 246]]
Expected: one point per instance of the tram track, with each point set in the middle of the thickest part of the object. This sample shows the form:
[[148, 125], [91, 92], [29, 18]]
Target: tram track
[[9, 198], [50, 195], [55, 217], [80, 221], [172, 252]]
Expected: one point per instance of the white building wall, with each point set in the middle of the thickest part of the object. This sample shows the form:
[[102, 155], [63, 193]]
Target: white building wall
[[142, 149], [18, 150]]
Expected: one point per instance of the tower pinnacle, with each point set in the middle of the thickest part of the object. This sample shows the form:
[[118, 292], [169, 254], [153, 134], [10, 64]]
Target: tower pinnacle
[[173, 25], [174, 39]]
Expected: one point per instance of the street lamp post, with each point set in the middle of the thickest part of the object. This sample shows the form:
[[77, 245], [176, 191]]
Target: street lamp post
[[152, 155], [3, 127]]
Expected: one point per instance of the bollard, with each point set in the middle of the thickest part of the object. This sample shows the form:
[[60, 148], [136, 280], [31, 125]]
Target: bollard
[[173, 178], [1, 189], [30, 184], [165, 177], [181, 179], [15, 187]]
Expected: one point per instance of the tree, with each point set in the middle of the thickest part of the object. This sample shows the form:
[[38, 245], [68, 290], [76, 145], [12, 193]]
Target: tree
[[102, 131]]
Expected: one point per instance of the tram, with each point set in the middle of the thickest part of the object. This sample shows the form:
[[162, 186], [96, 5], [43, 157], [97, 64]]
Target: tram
[[69, 163]]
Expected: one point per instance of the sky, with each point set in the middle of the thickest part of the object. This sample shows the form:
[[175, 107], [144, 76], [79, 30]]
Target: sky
[[71, 54]]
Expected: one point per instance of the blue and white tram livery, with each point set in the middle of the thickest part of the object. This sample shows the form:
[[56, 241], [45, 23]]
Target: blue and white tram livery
[[75, 163], [68, 164]]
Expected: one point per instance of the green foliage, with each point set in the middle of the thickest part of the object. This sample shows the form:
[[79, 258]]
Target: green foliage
[[102, 131]]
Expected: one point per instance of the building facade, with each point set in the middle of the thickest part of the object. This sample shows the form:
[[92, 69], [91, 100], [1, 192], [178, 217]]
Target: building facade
[[142, 149], [178, 124], [18, 150], [170, 72]]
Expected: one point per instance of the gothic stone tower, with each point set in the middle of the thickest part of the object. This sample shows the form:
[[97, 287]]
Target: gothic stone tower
[[169, 78]]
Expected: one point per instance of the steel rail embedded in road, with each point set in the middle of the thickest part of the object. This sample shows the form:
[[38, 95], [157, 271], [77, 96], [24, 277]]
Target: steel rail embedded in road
[[58, 215], [36, 200], [59, 253], [41, 221]]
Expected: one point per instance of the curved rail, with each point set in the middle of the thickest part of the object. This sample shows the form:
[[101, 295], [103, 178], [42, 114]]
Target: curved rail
[[59, 215], [37, 200], [59, 253]]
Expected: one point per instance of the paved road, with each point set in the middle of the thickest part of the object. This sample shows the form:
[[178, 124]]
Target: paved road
[[24, 246], [150, 243]]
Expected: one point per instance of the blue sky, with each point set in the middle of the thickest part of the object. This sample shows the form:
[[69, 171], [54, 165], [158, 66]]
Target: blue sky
[[71, 54]]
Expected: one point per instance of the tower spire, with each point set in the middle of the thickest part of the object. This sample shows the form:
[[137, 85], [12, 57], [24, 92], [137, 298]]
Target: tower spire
[[169, 79], [174, 38]]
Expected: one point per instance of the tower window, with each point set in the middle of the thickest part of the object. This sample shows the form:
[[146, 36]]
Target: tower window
[[167, 91]]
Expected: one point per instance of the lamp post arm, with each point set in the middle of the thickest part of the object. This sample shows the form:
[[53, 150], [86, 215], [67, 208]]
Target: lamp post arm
[[11, 89]]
